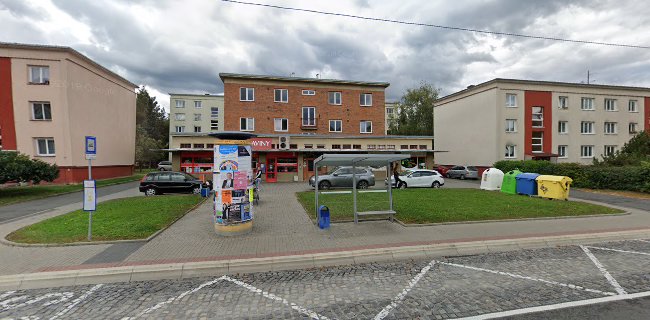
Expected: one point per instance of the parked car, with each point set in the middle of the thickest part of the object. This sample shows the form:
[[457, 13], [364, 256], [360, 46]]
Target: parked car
[[419, 178], [441, 169], [341, 177], [462, 172], [169, 182], [165, 166]]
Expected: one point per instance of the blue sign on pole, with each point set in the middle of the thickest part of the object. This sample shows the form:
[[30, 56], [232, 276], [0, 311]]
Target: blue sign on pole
[[91, 145]]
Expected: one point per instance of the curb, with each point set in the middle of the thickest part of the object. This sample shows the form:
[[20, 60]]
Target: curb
[[415, 225], [3, 240], [177, 271]]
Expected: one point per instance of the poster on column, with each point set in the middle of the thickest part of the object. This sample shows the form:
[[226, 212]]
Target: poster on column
[[233, 177]]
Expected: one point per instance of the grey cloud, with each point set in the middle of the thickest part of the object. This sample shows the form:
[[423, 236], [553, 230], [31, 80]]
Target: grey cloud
[[20, 8]]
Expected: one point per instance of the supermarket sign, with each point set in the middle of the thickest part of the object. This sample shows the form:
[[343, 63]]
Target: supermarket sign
[[261, 144]]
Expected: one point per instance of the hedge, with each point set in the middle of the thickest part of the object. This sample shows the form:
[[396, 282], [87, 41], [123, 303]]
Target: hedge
[[631, 178]]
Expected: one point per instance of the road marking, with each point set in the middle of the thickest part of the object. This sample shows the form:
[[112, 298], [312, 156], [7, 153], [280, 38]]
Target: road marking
[[571, 286], [62, 296], [400, 297], [6, 294], [618, 250], [75, 302], [25, 216], [604, 271], [557, 306], [305, 311]]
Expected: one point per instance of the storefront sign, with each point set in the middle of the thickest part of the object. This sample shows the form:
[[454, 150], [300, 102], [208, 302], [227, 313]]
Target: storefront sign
[[261, 144]]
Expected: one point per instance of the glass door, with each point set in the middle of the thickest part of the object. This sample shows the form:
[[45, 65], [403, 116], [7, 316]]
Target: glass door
[[271, 169]]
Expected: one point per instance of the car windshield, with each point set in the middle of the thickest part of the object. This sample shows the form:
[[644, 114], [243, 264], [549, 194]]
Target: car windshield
[[404, 173]]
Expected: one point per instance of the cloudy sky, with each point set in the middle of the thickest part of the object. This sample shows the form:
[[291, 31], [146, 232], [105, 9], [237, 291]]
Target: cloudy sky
[[181, 46]]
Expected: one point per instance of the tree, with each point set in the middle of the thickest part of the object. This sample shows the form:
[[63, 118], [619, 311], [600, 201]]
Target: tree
[[415, 112], [18, 167], [152, 128], [145, 148], [634, 152]]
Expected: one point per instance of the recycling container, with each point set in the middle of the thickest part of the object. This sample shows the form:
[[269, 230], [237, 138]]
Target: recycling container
[[553, 187], [205, 192], [526, 183], [323, 217], [509, 184], [492, 179]]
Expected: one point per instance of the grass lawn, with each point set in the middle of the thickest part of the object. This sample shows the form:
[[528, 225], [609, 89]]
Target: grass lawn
[[12, 195], [119, 219], [450, 205]]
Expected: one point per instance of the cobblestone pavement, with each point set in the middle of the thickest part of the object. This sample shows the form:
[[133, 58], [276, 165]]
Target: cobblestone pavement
[[490, 285]]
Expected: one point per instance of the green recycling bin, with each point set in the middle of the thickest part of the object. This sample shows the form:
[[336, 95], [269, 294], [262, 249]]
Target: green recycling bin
[[509, 184]]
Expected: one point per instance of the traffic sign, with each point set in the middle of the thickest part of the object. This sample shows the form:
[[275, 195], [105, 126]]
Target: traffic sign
[[91, 145]]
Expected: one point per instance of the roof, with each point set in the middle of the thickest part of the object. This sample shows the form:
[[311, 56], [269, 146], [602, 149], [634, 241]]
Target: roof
[[541, 83], [302, 80], [24, 46], [358, 159], [320, 136], [196, 94]]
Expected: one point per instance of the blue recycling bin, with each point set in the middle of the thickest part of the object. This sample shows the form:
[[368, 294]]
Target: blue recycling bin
[[526, 183], [205, 192], [323, 217]]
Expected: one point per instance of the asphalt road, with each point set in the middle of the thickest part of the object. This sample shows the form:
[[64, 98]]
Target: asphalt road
[[483, 286], [19, 210]]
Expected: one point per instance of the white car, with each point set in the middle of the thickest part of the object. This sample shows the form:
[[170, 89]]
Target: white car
[[419, 178]]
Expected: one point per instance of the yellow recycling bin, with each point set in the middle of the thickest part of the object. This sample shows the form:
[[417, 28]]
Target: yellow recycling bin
[[553, 187]]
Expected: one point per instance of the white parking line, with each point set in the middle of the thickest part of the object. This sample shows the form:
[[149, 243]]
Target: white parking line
[[6, 294], [61, 297], [398, 299], [557, 306], [604, 271], [571, 286], [621, 251], [75, 302]]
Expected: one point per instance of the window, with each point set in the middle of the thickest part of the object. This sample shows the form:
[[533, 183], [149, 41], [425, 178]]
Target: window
[[610, 104], [611, 128], [180, 116], [41, 111], [587, 127], [632, 127], [587, 151], [631, 106], [511, 125], [365, 99], [320, 146], [209, 145], [197, 117], [390, 111], [347, 146], [336, 146], [197, 129], [45, 146], [381, 147], [423, 147], [365, 126], [246, 124], [538, 141], [186, 146], [561, 151], [610, 150], [336, 125], [334, 98], [180, 129], [246, 94], [538, 117], [391, 147], [356, 146], [587, 104], [198, 104], [563, 102], [180, 103], [214, 124], [308, 92], [403, 146], [214, 112], [371, 147], [39, 74], [281, 124], [511, 100], [510, 151], [562, 127], [309, 146], [199, 146], [281, 95], [309, 116]]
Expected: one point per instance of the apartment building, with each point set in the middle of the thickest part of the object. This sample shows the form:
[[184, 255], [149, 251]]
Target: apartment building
[[391, 114], [523, 119], [52, 97], [194, 113]]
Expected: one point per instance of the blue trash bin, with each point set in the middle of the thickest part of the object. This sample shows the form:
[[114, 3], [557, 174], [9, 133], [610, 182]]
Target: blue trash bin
[[323, 217], [205, 192], [526, 183]]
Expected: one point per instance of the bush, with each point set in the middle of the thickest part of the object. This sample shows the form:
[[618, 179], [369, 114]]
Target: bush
[[18, 167]]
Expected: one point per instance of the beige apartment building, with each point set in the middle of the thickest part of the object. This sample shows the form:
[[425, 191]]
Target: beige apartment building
[[52, 97], [194, 113], [508, 119]]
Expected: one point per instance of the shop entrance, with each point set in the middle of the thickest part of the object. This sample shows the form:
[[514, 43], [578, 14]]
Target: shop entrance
[[309, 169], [271, 169]]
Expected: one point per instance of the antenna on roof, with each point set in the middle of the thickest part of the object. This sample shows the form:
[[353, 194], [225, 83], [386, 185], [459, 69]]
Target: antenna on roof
[[292, 74], [318, 76]]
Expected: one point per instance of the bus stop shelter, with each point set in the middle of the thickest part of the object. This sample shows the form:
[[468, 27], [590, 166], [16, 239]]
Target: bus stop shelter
[[360, 160]]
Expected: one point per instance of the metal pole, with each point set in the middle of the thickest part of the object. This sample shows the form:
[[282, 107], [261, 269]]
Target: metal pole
[[316, 186], [354, 192], [90, 213], [390, 190]]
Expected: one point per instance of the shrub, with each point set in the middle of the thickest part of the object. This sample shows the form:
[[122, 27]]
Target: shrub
[[18, 167]]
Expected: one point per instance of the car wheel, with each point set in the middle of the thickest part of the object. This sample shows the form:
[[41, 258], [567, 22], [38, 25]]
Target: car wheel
[[402, 185], [324, 185], [161, 169], [362, 185], [462, 177], [150, 192], [196, 190], [435, 184]]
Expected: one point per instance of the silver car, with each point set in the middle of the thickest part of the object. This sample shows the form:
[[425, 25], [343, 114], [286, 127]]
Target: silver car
[[165, 166], [341, 177], [462, 173]]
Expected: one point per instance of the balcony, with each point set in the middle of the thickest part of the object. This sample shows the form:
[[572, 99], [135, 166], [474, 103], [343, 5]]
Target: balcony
[[308, 123]]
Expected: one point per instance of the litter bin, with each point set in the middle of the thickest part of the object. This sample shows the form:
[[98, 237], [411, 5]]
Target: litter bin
[[509, 184], [492, 179], [205, 192], [526, 183], [554, 187], [323, 217]]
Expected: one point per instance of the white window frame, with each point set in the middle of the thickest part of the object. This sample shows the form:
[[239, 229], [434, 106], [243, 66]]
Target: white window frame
[[197, 117], [340, 125], [583, 148], [390, 111], [246, 94], [43, 77], [514, 100], [613, 147], [180, 104], [563, 102], [610, 105], [587, 106], [585, 124], [511, 125], [250, 124], [179, 116], [363, 99], [308, 92], [179, 129], [363, 126], [308, 121], [42, 106], [614, 126], [563, 127], [199, 127], [632, 128], [214, 124], [198, 104], [538, 117], [284, 122], [561, 154], [511, 151], [633, 106], [540, 144], [213, 114], [47, 152], [284, 95], [335, 94]]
